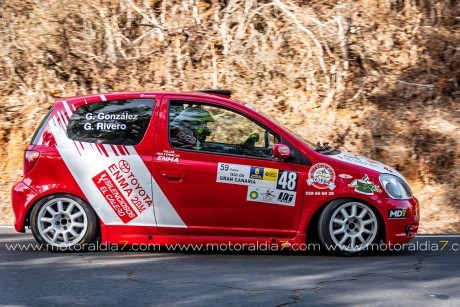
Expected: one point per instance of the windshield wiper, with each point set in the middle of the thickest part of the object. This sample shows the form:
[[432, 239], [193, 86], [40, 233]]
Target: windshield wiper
[[323, 148]]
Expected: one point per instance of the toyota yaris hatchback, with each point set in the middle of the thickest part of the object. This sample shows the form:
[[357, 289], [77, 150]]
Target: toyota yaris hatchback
[[194, 168]]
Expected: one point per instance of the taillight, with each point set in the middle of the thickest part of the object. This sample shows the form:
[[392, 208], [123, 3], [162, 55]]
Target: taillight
[[30, 159]]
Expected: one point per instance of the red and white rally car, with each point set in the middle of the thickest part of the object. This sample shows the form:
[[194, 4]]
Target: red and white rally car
[[194, 168]]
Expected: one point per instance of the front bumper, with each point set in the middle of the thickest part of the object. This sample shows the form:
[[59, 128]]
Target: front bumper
[[22, 197], [400, 229]]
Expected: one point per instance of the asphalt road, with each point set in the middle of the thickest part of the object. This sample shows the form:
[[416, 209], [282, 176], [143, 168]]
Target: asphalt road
[[425, 277]]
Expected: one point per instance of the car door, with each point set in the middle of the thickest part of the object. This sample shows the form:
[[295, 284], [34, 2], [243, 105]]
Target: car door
[[214, 164]]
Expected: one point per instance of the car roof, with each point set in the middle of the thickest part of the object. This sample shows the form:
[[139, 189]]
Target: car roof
[[145, 94]]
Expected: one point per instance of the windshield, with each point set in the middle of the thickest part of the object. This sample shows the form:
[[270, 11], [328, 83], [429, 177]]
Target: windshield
[[316, 147]]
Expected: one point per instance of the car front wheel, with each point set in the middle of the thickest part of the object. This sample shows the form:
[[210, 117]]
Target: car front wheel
[[348, 227], [61, 222]]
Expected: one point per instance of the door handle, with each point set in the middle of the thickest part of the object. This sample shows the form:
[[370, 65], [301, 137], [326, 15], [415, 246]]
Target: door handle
[[173, 175]]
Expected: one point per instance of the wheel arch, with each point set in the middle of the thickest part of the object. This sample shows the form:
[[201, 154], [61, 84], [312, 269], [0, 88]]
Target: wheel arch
[[31, 207]]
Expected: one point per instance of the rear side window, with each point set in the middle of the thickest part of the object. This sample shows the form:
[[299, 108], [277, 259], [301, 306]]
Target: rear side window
[[39, 132], [116, 122]]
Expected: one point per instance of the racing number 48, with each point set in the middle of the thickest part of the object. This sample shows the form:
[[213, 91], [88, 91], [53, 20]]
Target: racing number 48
[[287, 180]]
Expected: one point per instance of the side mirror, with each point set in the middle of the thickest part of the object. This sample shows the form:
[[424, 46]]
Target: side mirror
[[281, 151]]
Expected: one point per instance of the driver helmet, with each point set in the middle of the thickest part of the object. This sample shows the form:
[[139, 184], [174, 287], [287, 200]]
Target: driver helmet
[[195, 119]]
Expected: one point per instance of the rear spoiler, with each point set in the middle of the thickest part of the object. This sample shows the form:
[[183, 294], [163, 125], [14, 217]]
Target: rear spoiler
[[224, 93]]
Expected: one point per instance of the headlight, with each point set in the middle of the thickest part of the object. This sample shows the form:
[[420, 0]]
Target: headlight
[[395, 187]]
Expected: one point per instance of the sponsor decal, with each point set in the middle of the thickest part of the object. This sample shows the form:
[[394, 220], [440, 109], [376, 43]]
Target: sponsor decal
[[168, 156], [256, 173], [271, 196], [321, 176], [345, 176], [253, 194], [360, 160], [366, 162], [270, 174], [114, 197], [184, 135], [284, 150], [268, 195], [286, 197], [256, 176], [388, 169], [397, 213], [235, 174], [365, 186], [122, 190], [124, 166]]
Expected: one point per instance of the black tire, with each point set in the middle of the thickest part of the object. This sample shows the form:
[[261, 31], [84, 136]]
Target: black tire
[[351, 235], [63, 223]]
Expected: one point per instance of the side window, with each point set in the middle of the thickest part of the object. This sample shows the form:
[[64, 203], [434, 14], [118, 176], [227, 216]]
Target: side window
[[201, 127], [120, 122], [40, 130]]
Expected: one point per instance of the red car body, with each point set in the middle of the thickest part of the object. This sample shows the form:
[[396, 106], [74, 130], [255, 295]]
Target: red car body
[[181, 195]]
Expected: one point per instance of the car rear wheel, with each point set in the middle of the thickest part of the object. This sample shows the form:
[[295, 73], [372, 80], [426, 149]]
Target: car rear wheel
[[61, 222], [348, 227]]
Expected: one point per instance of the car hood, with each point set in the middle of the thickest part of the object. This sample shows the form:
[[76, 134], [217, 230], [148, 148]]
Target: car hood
[[368, 163]]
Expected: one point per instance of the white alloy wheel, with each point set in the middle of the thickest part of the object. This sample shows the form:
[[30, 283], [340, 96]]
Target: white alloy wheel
[[62, 221], [349, 226]]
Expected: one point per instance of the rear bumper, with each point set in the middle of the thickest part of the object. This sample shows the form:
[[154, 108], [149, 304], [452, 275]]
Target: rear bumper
[[22, 197], [400, 230]]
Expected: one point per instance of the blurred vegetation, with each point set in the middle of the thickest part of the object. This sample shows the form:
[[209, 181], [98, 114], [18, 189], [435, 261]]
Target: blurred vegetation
[[379, 78]]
